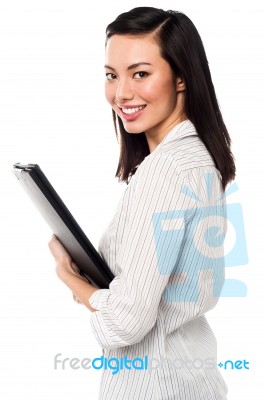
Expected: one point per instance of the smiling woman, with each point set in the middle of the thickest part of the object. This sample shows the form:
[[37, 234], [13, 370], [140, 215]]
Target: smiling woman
[[160, 245], [142, 88]]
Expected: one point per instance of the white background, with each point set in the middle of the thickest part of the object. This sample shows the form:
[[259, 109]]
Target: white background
[[53, 112]]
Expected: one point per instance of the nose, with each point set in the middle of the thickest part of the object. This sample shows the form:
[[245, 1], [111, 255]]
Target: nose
[[124, 90]]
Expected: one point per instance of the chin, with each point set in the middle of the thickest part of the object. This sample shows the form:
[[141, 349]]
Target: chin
[[133, 131]]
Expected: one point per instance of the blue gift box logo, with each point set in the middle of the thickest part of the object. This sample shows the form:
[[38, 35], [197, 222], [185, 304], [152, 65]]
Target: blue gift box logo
[[196, 245]]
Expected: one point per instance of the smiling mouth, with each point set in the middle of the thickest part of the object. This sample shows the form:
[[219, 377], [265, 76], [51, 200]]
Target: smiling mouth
[[133, 110]]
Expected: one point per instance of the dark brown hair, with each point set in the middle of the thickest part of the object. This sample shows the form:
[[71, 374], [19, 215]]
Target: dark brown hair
[[182, 47]]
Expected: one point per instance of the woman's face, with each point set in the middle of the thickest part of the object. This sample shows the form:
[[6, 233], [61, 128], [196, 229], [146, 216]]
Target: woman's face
[[141, 88]]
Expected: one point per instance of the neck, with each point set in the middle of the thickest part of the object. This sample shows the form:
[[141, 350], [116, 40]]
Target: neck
[[154, 138]]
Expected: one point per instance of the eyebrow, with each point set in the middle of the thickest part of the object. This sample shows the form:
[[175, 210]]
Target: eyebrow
[[131, 66]]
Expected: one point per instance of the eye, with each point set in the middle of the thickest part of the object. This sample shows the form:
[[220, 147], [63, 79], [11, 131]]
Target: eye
[[140, 74], [110, 76]]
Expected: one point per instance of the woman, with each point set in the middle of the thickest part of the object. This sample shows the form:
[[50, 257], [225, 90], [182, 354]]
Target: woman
[[168, 262]]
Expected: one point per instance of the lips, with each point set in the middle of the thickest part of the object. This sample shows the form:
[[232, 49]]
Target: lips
[[131, 112]]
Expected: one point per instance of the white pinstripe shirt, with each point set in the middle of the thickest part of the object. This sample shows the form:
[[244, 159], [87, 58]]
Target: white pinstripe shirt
[[168, 271]]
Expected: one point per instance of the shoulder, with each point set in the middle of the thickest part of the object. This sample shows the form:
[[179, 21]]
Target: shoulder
[[186, 149], [180, 157], [163, 172], [181, 149], [178, 162]]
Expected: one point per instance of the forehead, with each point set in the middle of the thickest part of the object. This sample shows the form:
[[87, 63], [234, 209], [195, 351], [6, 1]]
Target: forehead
[[130, 49]]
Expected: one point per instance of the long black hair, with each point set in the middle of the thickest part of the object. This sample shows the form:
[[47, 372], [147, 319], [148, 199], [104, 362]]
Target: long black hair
[[181, 46]]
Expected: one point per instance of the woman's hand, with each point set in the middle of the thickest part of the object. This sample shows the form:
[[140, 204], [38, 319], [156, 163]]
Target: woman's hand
[[69, 273], [64, 263], [61, 256]]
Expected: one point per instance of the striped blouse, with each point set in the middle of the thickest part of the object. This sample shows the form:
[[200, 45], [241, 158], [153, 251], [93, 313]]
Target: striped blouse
[[167, 257]]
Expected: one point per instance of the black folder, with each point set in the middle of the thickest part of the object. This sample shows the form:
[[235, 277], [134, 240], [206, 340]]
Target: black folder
[[63, 224]]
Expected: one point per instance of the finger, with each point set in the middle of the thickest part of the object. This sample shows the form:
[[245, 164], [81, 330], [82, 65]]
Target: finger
[[76, 299], [75, 268], [53, 241]]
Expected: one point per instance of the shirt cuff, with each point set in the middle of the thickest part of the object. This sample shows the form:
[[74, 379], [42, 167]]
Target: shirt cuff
[[98, 298]]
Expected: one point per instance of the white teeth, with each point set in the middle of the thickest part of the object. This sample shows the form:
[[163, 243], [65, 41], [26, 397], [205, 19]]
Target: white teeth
[[132, 110]]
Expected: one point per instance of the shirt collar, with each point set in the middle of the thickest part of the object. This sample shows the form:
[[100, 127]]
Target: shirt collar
[[185, 128]]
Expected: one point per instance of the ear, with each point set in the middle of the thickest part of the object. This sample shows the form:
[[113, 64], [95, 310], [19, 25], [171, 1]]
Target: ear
[[180, 84]]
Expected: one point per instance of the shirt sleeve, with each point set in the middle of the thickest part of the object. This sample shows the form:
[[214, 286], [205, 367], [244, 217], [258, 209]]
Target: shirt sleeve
[[127, 311]]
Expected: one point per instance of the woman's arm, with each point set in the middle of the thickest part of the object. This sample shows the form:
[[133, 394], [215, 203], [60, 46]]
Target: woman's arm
[[158, 245], [66, 270]]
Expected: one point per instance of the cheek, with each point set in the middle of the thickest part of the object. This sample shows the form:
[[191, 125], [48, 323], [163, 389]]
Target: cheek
[[109, 93], [149, 92], [158, 90]]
